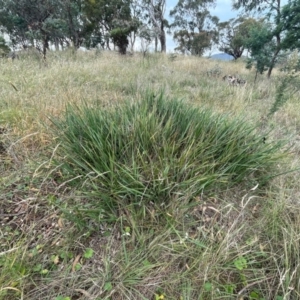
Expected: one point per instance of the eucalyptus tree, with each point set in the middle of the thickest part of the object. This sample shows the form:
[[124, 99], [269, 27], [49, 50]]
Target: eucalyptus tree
[[274, 33], [290, 19], [195, 29], [137, 15], [154, 16], [13, 24], [30, 21], [232, 35], [112, 20], [261, 44], [74, 23], [255, 5], [157, 12]]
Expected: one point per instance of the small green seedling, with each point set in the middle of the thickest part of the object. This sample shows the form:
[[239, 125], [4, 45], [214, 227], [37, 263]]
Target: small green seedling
[[88, 253]]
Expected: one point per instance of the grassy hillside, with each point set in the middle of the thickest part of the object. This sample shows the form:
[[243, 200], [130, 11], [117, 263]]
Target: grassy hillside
[[158, 226]]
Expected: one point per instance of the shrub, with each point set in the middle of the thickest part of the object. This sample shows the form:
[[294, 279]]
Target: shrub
[[288, 84], [156, 150]]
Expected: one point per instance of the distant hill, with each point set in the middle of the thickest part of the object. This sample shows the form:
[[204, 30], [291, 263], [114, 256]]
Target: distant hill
[[222, 56]]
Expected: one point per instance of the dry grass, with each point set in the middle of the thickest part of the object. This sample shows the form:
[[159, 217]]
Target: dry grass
[[234, 244]]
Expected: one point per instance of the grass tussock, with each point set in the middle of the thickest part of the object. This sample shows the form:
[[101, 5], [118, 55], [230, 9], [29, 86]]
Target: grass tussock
[[158, 150]]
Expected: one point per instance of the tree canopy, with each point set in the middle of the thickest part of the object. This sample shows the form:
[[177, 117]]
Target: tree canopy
[[290, 18], [118, 23], [232, 35], [273, 44], [195, 29]]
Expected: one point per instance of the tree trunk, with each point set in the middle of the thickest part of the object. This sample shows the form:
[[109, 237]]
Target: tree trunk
[[272, 64], [155, 44], [74, 33], [256, 75], [45, 46], [132, 41], [270, 71], [56, 44], [162, 38], [278, 42]]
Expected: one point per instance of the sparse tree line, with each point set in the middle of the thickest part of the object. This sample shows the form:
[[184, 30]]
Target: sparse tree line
[[120, 23]]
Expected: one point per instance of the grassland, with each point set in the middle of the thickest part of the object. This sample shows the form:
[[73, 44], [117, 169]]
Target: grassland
[[241, 242]]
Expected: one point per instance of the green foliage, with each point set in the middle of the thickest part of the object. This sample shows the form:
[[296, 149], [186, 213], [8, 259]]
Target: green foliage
[[120, 38], [157, 150], [82, 22], [200, 42], [208, 286], [27, 20], [14, 271], [192, 43], [281, 95], [72, 22], [240, 263], [195, 28], [250, 5], [108, 286], [281, 33], [261, 47], [112, 18], [62, 298], [233, 34], [12, 22], [4, 49], [154, 15], [88, 253], [288, 84], [290, 21]]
